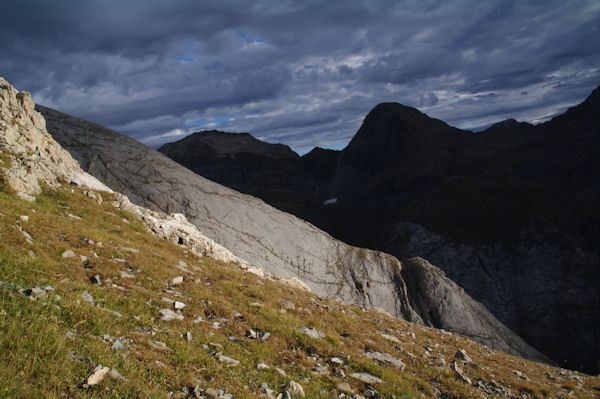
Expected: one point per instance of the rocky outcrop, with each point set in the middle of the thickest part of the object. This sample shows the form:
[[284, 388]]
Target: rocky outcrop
[[31, 157], [263, 236]]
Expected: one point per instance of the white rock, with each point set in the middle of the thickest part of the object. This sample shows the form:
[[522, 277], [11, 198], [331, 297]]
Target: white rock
[[295, 389], [459, 372], [228, 361], [366, 378], [24, 218], [179, 305], [237, 315], [126, 275], [386, 358], [295, 282], [38, 293], [177, 280], [169, 315], [311, 332], [88, 298], [68, 254], [159, 345], [391, 338], [27, 236], [344, 387], [262, 366], [337, 361], [97, 376], [462, 355], [117, 345], [287, 304]]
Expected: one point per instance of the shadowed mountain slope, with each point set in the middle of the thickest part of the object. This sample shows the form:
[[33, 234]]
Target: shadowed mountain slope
[[511, 213]]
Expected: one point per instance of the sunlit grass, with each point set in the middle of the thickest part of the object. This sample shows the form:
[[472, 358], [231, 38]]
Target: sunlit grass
[[50, 346]]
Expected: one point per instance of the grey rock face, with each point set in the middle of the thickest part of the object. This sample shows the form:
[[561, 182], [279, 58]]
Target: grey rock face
[[527, 277], [273, 240], [441, 302]]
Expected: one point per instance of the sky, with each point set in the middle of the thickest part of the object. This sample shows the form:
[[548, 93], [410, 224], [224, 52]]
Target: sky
[[302, 73]]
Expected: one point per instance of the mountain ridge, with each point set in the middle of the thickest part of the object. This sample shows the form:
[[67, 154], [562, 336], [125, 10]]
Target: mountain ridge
[[472, 201]]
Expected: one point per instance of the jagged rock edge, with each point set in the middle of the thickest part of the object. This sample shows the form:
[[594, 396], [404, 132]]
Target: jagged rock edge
[[35, 157]]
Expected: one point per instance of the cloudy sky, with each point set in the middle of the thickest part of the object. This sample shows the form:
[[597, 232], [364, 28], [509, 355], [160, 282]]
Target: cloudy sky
[[304, 73]]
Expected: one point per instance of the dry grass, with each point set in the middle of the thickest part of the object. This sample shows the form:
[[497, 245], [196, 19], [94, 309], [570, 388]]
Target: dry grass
[[50, 346]]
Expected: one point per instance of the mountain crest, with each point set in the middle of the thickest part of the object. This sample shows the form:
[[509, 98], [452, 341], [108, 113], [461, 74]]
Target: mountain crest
[[222, 144]]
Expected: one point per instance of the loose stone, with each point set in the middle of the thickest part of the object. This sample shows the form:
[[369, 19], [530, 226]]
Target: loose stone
[[311, 332], [345, 387], [169, 315], [97, 376], [68, 254], [366, 378], [295, 389], [228, 361], [177, 280]]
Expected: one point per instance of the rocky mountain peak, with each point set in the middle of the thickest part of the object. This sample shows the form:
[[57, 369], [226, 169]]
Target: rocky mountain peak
[[509, 125], [222, 144], [393, 123]]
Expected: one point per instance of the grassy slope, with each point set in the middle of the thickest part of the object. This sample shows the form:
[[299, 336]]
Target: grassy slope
[[50, 346]]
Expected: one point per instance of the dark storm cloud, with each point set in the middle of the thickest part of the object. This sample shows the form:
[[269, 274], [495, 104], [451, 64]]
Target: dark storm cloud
[[300, 72]]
